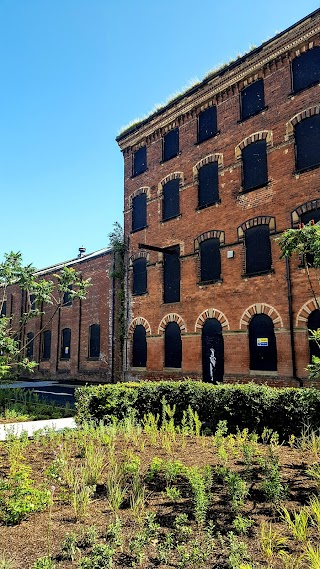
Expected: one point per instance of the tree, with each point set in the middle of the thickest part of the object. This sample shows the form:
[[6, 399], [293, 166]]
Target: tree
[[305, 241], [39, 292]]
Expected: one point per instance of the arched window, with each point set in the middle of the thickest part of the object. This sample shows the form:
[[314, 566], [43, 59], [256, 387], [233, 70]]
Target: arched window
[[258, 249], [94, 341], [262, 344], [210, 261], [254, 165], [139, 347], [306, 69], [208, 189], [139, 276], [314, 324], [30, 342], [212, 351], [46, 345], [172, 346], [139, 212], [65, 343], [307, 138]]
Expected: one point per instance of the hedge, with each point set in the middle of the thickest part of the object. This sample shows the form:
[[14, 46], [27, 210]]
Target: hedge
[[285, 410]]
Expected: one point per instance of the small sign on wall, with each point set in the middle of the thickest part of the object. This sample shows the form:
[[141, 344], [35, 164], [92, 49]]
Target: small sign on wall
[[262, 342]]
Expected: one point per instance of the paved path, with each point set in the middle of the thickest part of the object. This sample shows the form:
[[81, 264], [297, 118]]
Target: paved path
[[31, 426]]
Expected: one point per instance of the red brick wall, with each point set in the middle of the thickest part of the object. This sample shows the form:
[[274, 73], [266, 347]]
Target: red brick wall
[[284, 193]]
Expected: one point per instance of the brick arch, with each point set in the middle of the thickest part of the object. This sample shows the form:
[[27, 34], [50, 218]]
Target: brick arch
[[135, 256], [172, 317], [172, 176], [303, 208], [217, 157], [261, 135], [259, 220], [137, 322], [305, 114], [260, 308], [209, 235], [305, 311], [144, 190], [211, 313]]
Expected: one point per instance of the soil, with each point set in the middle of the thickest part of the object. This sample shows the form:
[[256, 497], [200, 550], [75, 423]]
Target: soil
[[27, 541]]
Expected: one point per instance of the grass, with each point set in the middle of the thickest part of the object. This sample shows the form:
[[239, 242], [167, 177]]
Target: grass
[[18, 405], [114, 496]]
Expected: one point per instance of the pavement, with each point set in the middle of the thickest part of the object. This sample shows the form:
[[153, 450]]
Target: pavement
[[31, 426]]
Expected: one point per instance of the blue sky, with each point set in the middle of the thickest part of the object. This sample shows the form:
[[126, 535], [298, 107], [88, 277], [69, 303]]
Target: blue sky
[[73, 74]]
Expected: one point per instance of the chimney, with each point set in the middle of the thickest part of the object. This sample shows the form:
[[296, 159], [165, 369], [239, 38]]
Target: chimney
[[82, 251]]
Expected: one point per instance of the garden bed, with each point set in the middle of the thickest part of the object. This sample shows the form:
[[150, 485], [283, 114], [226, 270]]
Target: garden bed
[[128, 495]]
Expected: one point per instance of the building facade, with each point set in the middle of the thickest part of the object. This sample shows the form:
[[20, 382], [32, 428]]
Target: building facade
[[79, 341], [211, 181]]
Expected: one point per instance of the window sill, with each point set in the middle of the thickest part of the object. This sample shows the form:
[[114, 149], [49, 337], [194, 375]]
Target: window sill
[[178, 216], [303, 170], [137, 368], [208, 138], [173, 302], [247, 191], [258, 274], [205, 206], [170, 369], [212, 282], [263, 373], [139, 174], [240, 121], [140, 293], [65, 359], [138, 229], [163, 161], [294, 93]]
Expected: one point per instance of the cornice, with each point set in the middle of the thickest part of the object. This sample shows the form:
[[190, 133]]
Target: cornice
[[211, 88]]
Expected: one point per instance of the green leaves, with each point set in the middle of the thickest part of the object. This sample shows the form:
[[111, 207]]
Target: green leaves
[[305, 240]]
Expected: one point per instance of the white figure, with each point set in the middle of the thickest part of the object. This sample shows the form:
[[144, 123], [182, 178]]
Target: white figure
[[213, 361]]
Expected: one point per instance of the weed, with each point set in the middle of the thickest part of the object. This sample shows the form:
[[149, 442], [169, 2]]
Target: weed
[[101, 557], [238, 552], [43, 563], [19, 497], [69, 548], [297, 522], [272, 487], [150, 424], [154, 468], [171, 470], [182, 528], [237, 487], [242, 524], [114, 533], [80, 497], [165, 547], [200, 480], [173, 493], [88, 537], [271, 541]]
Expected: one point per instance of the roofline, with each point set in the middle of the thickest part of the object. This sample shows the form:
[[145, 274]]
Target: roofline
[[77, 260], [210, 77]]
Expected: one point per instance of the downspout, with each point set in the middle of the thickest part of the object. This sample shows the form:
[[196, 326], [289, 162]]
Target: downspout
[[127, 305], [58, 340], [293, 353], [79, 335]]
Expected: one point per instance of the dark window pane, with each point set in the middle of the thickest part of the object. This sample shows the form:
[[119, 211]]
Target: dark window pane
[[262, 344], [207, 124], [65, 343], [208, 189], [139, 347], [307, 136], [171, 271], [94, 341], [252, 99], [170, 207], [255, 169], [3, 309], [33, 304], [139, 212], [46, 345], [173, 346], [306, 69], [212, 351], [170, 144], [30, 337], [258, 249], [314, 324], [210, 261], [139, 276], [139, 164], [67, 298]]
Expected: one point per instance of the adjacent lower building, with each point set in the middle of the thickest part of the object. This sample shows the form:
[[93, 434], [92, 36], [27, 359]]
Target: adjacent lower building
[[211, 180]]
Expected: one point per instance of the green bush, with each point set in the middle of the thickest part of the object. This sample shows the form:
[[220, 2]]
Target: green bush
[[286, 410]]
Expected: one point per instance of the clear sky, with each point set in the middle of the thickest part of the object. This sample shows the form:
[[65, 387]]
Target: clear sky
[[73, 73]]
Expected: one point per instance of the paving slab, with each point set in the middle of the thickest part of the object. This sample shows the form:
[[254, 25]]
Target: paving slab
[[31, 426]]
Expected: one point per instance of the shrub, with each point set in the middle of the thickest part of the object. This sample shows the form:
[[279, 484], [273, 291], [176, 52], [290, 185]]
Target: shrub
[[251, 406]]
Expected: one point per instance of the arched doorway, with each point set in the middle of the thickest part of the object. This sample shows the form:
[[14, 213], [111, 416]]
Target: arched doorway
[[314, 324], [139, 347], [212, 351], [262, 344], [172, 346]]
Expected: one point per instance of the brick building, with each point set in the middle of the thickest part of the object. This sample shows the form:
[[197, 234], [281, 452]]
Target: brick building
[[79, 341], [211, 180]]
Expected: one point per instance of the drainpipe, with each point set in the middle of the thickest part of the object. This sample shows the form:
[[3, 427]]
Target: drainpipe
[[293, 353]]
